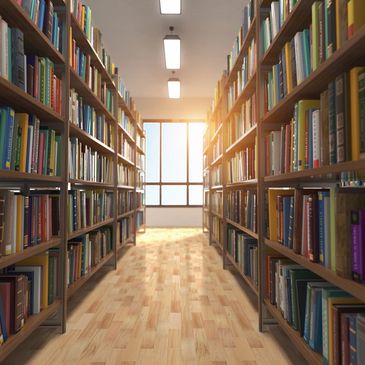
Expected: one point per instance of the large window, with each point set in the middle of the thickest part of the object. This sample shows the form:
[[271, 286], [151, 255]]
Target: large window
[[174, 163]]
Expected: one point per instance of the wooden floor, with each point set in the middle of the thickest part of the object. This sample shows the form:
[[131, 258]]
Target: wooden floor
[[169, 302]]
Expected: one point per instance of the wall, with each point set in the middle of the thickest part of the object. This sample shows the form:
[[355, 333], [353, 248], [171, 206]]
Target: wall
[[174, 217]]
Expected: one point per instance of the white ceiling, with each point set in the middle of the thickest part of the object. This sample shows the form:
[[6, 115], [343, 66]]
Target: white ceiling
[[133, 31]]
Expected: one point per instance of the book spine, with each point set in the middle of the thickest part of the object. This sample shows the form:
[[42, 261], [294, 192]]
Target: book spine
[[332, 122]]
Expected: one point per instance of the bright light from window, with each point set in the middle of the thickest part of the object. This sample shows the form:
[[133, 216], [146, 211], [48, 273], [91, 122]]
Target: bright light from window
[[170, 7], [172, 45], [174, 88]]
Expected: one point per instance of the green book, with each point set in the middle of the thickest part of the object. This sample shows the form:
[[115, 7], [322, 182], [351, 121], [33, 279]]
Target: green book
[[42, 80], [3, 117], [59, 153], [45, 131], [315, 35]]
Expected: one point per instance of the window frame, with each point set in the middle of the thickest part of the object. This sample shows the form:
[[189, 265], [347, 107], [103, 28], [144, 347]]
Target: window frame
[[159, 183]]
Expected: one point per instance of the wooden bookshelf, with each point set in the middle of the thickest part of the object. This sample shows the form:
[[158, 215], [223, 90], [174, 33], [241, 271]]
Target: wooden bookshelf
[[247, 139], [127, 214], [125, 160], [242, 228], [37, 43]]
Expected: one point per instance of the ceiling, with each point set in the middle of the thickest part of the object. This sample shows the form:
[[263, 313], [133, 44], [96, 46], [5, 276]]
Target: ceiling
[[133, 31]]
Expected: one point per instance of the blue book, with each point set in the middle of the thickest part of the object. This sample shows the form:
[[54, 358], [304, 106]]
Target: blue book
[[306, 52], [8, 145], [291, 223], [41, 12]]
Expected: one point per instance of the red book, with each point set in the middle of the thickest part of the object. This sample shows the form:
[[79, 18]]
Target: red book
[[5, 290]]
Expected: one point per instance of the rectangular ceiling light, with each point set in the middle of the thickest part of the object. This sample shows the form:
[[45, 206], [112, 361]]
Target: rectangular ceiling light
[[170, 7], [174, 88], [172, 45]]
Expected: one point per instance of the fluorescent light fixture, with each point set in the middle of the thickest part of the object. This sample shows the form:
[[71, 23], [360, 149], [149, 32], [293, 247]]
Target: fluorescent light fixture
[[173, 85], [172, 45], [170, 7]]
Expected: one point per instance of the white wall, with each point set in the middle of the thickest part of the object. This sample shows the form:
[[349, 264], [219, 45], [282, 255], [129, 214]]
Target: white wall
[[174, 217]]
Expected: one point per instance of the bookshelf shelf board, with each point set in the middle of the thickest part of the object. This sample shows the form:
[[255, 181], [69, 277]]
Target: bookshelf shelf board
[[242, 228], [354, 288], [206, 149], [88, 95], [22, 102], [86, 230], [206, 210], [84, 183], [16, 176], [124, 106], [313, 358], [140, 209], [125, 160], [140, 130], [125, 187], [35, 41], [140, 150], [216, 133], [242, 184], [126, 133], [295, 22], [247, 91], [327, 172], [90, 140], [247, 139], [217, 160], [139, 190], [220, 216], [8, 260], [217, 187], [246, 278], [32, 323], [348, 56], [245, 44], [72, 289], [127, 214], [217, 243], [85, 45]]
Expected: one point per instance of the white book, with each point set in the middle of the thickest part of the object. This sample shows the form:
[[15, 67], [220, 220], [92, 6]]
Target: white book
[[4, 49], [275, 18], [299, 57], [275, 149]]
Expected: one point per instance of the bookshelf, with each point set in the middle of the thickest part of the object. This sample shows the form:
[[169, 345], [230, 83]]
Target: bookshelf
[[336, 178], [100, 134]]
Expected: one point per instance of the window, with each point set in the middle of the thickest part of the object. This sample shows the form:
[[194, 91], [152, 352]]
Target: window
[[174, 163]]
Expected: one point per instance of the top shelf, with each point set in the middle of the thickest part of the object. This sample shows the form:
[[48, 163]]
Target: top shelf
[[35, 41], [83, 42]]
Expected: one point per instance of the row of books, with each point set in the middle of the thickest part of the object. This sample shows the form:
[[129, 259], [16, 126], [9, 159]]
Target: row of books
[[241, 122], [242, 208], [248, 15], [332, 24], [27, 220], [126, 123], [125, 229], [217, 202], [140, 200], [242, 166], [244, 75], [44, 15], [218, 92], [86, 164], [140, 179], [88, 207], [125, 148], [330, 321], [25, 146], [140, 142], [26, 289], [216, 176], [243, 249], [320, 224], [314, 138], [140, 160], [34, 75], [217, 150], [271, 25], [85, 117], [86, 252], [217, 229], [125, 175], [125, 201]]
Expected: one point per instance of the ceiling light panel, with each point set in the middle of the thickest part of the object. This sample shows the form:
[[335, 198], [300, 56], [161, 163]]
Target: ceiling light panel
[[172, 48], [174, 88], [170, 7]]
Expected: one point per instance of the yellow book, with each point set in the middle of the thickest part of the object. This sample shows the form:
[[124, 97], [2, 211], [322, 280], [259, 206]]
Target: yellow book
[[275, 97], [303, 107], [355, 16], [23, 123], [71, 50], [331, 302], [272, 196], [19, 223], [355, 113], [289, 72], [83, 19], [40, 260]]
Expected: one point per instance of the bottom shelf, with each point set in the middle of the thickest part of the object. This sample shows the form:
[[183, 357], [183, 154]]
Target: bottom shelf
[[217, 243], [313, 358], [125, 243], [30, 326], [246, 278], [79, 283]]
